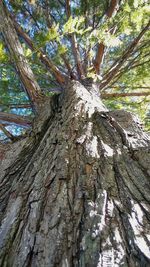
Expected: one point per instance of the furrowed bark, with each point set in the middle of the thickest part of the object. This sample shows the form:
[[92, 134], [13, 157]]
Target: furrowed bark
[[101, 48], [15, 119], [77, 192], [17, 56]]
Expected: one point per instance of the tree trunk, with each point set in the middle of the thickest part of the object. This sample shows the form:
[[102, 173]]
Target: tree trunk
[[76, 193]]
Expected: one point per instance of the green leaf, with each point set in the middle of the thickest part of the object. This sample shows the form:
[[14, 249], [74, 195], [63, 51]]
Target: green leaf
[[62, 49], [127, 8], [3, 55], [53, 33], [73, 25]]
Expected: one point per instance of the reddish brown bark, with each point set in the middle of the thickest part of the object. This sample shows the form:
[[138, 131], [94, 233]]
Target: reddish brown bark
[[101, 48]]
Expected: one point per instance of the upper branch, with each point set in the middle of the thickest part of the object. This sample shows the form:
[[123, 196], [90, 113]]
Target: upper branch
[[74, 45], [101, 48], [119, 63], [43, 57], [14, 119], [18, 58], [6, 132], [117, 95]]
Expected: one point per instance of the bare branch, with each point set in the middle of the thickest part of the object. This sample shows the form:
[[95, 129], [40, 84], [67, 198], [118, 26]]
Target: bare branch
[[119, 63], [99, 57], [6, 132], [49, 21], [101, 48], [74, 46], [112, 8], [14, 119], [12, 105], [43, 57], [117, 95], [133, 87], [22, 66], [69, 68], [127, 68]]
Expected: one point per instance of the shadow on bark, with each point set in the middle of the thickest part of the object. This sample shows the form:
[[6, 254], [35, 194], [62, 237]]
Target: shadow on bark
[[76, 191]]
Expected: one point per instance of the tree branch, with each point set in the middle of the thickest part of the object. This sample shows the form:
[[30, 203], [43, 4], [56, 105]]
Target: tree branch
[[101, 48], [15, 119], [99, 57], [117, 95], [42, 56], [12, 105], [126, 69], [112, 8], [118, 64], [134, 87], [17, 56], [74, 46], [49, 21], [6, 132]]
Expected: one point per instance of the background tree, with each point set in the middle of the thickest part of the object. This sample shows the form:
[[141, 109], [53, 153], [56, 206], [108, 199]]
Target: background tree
[[75, 187]]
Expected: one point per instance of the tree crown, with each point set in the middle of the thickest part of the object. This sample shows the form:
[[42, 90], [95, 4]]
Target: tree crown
[[107, 41]]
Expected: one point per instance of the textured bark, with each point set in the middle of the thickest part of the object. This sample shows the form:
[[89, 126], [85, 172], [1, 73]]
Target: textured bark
[[76, 192], [18, 58]]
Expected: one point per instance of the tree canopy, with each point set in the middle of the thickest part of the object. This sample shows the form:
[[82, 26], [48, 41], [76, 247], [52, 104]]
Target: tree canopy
[[57, 41]]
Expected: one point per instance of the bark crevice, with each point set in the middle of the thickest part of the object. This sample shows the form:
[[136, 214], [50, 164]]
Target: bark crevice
[[77, 192]]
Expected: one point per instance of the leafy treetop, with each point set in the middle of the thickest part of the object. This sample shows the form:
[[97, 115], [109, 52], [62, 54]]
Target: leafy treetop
[[107, 41]]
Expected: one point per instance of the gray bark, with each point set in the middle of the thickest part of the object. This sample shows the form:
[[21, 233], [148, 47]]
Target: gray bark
[[76, 193]]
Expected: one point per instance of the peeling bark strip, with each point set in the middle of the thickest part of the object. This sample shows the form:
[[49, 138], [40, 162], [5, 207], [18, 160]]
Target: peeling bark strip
[[17, 56], [77, 193]]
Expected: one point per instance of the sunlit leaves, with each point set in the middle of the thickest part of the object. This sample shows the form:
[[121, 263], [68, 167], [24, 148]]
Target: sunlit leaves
[[62, 49], [53, 33], [75, 25], [127, 7], [91, 26], [3, 55]]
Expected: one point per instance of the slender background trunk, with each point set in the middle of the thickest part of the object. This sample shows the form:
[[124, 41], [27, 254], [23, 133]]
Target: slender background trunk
[[76, 192]]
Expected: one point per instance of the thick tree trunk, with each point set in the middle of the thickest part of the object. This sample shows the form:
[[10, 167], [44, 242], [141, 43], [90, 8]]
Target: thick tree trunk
[[76, 192]]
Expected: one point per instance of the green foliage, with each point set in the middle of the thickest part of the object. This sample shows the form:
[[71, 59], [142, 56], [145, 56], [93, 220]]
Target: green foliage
[[51, 32], [3, 55]]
